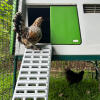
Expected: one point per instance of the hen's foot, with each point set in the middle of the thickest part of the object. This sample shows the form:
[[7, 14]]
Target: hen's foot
[[36, 48], [33, 47]]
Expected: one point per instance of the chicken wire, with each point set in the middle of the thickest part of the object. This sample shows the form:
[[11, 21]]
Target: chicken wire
[[59, 67], [6, 59]]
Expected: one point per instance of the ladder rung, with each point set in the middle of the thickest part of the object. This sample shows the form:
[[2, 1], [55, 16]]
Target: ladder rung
[[33, 78]]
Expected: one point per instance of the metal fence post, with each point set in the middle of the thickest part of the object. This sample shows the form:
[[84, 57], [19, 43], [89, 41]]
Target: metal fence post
[[14, 73]]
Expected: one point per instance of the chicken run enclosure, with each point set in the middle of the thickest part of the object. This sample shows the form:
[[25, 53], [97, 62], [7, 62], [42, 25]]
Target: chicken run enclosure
[[70, 39]]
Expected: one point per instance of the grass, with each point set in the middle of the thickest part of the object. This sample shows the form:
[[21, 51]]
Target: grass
[[59, 89], [6, 82]]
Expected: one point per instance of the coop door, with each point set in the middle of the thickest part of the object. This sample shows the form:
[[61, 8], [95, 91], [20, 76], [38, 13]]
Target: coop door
[[64, 25]]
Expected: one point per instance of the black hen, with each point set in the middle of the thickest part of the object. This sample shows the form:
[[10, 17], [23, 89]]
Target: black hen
[[73, 77]]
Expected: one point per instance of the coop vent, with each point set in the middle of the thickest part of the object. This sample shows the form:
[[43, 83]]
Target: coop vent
[[91, 8]]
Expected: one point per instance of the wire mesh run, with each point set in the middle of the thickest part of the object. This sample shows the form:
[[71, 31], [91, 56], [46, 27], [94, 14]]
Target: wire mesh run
[[6, 60]]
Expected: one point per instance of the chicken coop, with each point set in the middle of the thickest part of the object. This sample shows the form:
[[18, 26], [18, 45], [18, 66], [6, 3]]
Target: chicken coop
[[70, 39]]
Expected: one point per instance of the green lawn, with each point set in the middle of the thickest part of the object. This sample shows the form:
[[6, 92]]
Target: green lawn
[[6, 86], [59, 89]]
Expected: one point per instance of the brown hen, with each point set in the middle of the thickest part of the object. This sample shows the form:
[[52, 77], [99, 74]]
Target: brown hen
[[28, 36]]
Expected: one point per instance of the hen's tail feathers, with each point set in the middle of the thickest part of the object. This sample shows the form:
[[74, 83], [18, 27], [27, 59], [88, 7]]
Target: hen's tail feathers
[[18, 22], [81, 73]]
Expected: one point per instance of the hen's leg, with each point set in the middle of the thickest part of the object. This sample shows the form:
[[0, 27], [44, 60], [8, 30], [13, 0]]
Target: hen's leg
[[36, 48]]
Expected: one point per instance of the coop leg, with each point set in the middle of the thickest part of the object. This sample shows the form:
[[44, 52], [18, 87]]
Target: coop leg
[[96, 64], [14, 75]]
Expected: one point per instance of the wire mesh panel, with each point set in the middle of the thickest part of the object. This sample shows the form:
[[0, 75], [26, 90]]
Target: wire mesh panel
[[6, 60]]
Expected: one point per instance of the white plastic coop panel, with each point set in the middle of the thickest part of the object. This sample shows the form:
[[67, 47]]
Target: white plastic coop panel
[[33, 78], [89, 28]]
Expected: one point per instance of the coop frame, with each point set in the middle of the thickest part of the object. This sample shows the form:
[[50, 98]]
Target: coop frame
[[23, 6], [59, 55]]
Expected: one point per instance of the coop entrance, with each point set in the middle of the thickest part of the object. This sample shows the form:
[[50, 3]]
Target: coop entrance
[[60, 25], [33, 13]]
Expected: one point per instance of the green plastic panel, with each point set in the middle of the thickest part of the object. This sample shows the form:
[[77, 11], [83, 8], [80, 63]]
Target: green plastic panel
[[64, 25]]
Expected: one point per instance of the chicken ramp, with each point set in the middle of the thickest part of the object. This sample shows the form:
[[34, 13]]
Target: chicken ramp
[[33, 78]]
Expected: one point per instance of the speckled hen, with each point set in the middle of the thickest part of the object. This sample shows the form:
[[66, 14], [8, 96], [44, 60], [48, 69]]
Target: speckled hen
[[28, 36]]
